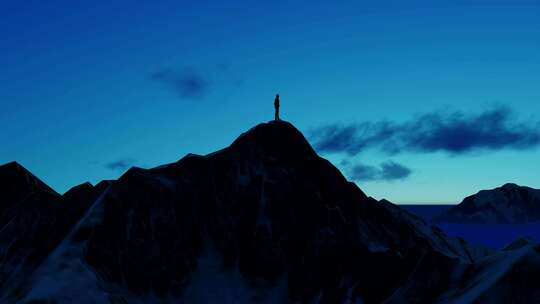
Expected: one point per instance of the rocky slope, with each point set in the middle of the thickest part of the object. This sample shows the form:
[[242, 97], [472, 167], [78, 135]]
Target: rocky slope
[[506, 276], [504, 205], [265, 220], [35, 219]]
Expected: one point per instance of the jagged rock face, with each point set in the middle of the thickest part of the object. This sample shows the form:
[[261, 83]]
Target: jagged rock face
[[18, 189], [272, 208], [507, 204], [507, 276], [35, 222]]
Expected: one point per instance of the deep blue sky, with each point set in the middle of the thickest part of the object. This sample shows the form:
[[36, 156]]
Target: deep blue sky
[[383, 90]]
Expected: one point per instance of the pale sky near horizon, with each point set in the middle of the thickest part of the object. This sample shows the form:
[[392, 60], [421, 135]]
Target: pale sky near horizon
[[89, 89]]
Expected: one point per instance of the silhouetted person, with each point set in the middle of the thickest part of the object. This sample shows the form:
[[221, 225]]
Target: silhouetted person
[[276, 106]]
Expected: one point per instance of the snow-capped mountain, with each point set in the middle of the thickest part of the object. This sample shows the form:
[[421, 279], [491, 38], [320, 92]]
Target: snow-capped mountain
[[507, 204], [265, 220]]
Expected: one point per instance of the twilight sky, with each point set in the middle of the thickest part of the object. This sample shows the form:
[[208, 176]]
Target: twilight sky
[[418, 102]]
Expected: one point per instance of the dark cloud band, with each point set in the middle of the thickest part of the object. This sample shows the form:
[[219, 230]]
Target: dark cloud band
[[120, 165], [387, 171], [455, 133]]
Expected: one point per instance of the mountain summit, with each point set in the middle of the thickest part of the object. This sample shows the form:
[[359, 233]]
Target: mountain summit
[[18, 184], [265, 220]]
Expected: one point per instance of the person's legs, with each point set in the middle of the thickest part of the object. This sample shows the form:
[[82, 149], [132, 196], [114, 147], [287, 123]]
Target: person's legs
[[277, 114]]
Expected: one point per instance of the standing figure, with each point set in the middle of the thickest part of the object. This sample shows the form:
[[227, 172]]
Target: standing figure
[[276, 106]]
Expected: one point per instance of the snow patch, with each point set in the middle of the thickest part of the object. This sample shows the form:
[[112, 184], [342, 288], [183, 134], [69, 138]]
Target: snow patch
[[495, 267], [64, 276], [212, 283]]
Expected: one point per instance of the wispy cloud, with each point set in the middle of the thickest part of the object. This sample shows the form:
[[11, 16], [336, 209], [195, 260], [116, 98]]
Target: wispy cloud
[[195, 83], [120, 164], [387, 171], [188, 82], [455, 133]]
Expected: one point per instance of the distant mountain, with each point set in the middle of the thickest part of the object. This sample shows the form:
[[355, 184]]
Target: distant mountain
[[507, 204], [265, 220]]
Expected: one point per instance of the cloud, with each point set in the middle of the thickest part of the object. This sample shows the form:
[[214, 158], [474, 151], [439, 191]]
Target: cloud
[[188, 83], [387, 171], [120, 165], [454, 133], [196, 83]]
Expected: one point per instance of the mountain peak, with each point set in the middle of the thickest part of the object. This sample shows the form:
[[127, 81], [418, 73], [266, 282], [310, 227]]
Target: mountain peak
[[86, 186], [510, 186], [11, 166], [13, 170], [16, 183], [276, 139]]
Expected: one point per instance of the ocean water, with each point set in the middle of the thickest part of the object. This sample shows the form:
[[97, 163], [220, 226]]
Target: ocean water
[[490, 235], [427, 212]]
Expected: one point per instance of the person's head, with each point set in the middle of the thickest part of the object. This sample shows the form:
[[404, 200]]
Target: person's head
[[277, 95]]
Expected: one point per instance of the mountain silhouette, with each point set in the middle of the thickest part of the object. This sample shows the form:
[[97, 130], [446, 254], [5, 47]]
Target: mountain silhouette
[[508, 204], [18, 184], [265, 220]]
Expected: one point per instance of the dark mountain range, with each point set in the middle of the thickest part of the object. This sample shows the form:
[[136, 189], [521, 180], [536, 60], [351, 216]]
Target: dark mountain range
[[265, 220], [509, 204], [35, 219]]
